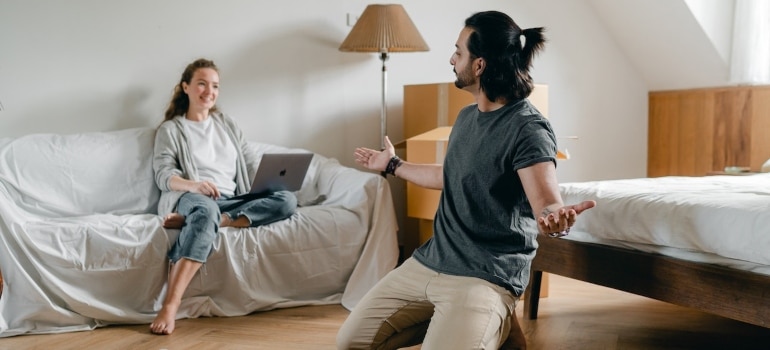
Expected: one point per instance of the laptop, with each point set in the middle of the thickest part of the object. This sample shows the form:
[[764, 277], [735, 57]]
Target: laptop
[[279, 172]]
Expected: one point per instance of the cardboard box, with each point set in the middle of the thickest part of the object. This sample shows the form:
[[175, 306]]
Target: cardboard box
[[430, 110], [429, 147], [425, 148], [539, 98], [430, 106]]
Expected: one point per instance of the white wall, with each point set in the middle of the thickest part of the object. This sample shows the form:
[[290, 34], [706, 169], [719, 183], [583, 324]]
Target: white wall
[[666, 41], [716, 19], [92, 65]]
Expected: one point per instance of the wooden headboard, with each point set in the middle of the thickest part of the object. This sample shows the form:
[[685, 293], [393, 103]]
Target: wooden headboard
[[692, 132]]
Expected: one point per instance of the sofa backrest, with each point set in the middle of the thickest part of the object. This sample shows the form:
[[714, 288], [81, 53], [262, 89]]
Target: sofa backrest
[[72, 175], [53, 175]]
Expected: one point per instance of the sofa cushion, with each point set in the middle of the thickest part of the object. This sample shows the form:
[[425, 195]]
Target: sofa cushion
[[81, 174]]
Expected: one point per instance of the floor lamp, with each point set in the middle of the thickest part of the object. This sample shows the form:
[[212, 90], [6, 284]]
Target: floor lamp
[[384, 29]]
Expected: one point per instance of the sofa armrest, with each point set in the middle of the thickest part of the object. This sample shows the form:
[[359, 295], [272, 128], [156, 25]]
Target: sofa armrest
[[368, 196], [345, 186]]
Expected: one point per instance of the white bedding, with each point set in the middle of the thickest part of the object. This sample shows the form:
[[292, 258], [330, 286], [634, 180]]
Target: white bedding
[[719, 219]]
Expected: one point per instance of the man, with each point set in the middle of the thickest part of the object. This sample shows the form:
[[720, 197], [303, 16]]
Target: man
[[499, 189]]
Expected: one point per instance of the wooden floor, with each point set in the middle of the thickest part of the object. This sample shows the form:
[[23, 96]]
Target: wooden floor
[[576, 315]]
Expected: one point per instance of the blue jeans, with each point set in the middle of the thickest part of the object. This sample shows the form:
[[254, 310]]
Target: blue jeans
[[203, 215]]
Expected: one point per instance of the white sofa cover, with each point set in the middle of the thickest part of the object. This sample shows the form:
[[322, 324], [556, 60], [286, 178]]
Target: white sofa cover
[[81, 245]]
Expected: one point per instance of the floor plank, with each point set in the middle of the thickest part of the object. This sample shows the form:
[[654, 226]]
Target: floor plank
[[575, 315]]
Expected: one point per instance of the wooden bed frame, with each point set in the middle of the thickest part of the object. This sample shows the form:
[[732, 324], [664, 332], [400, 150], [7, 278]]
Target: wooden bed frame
[[691, 132], [736, 294]]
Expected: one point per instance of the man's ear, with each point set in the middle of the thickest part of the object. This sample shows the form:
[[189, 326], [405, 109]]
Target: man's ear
[[479, 65]]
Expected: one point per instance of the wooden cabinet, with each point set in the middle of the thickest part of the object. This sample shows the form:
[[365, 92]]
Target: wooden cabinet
[[694, 132]]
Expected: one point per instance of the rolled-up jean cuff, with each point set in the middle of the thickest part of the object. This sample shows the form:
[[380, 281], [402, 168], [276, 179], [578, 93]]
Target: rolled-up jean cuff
[[238, 214]]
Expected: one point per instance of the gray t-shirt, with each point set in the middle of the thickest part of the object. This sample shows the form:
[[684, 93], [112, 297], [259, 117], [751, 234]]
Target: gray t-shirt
[[484, 226]]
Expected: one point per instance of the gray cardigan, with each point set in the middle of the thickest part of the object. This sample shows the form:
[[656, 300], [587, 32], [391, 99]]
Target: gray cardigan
[[172, 157]]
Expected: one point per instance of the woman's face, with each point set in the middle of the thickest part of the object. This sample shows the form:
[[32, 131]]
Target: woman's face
[[203, 89]]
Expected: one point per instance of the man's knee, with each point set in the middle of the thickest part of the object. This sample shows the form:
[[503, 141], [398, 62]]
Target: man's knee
[[346, 336], [516, 339]]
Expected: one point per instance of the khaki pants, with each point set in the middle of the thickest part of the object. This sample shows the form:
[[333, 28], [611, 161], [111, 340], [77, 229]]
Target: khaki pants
[[414, 304]]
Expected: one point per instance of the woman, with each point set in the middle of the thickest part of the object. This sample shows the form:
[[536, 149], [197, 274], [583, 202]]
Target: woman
[[201, 160]]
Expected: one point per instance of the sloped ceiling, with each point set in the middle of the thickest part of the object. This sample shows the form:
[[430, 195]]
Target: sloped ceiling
[[665, 41]]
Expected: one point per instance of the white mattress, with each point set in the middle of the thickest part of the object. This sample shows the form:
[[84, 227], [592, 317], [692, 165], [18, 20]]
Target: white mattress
[[717, 219]]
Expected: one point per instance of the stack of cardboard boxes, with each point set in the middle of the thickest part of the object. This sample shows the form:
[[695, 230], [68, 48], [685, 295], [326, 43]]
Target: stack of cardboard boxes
[[430, 111]]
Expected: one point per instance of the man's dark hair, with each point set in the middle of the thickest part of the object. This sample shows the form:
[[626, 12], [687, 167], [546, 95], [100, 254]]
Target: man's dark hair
[[496, 38]]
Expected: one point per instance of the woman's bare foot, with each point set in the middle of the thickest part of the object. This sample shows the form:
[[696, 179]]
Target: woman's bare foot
[[173, 220], [241, 221], [165, 321]]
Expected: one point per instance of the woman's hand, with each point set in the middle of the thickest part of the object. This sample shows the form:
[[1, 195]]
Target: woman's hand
[[375, 160], [206, 188]]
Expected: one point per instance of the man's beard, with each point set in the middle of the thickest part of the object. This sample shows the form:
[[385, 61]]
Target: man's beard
[[465, 78]]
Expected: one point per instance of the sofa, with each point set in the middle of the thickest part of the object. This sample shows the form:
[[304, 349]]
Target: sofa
[[81, 244]]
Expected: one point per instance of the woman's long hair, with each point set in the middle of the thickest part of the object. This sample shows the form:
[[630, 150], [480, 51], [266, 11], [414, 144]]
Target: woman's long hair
[[180, 102], [497, 39]]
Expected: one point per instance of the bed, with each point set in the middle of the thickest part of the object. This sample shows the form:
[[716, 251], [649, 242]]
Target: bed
[[698, 242]]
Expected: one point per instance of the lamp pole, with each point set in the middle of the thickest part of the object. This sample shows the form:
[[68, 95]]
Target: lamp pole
[[381, 29], [384, 109]]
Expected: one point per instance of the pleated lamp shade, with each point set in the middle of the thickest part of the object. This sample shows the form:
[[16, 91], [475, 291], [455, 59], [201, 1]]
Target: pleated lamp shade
[[384, 28]]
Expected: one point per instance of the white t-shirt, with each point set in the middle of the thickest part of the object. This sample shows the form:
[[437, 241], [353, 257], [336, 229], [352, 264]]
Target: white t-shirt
[[213, 152]]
